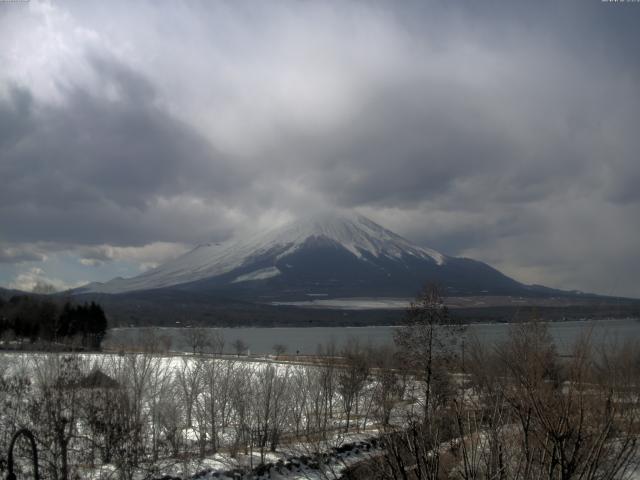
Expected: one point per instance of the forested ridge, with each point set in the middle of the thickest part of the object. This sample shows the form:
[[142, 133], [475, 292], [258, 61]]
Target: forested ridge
[[31, 319]]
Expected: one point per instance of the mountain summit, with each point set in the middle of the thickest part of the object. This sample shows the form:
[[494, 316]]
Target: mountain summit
[[329, 255]]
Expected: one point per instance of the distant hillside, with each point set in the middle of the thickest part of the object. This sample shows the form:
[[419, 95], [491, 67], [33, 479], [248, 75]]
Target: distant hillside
[[8, 293], [170, 307]]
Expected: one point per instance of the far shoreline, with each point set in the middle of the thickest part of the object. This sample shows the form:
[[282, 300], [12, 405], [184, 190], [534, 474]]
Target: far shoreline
[[398, 325]]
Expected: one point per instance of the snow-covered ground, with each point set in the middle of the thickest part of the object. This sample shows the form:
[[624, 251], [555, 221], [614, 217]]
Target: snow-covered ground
[[352, 303], [292, 462], [165, 378]]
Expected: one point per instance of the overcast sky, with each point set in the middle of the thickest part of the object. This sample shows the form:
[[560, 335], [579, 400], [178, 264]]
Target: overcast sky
[[503, 131]]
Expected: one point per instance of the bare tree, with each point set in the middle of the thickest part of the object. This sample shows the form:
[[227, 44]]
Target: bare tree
[[351, 379], [216, 341], [242, 394], [189, 379], [279, 349], [134, 373], [160, 386], [315, 406], [328, 381], [240, 346], [218, 382], [271, 388], [170, 412], [426, 341], [15, 386], [388, 389], [299, 398], [425, 344], [201, 340], [55, 409]]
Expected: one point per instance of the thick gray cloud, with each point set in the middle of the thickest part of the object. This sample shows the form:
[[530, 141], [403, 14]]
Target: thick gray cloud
[[500, 130], [94, 169], [20, 255]]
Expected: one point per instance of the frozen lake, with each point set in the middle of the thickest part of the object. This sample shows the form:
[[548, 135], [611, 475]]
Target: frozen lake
[[306, 340]]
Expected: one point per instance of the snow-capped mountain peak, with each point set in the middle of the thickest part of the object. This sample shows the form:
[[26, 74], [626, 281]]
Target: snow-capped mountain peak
[[361, 237], [354, 232]]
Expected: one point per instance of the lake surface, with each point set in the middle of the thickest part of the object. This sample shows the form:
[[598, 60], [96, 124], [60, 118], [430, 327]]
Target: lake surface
[[306, 340]]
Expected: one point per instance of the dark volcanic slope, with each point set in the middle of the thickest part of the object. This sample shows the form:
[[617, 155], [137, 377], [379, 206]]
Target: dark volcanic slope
[[322, 267]]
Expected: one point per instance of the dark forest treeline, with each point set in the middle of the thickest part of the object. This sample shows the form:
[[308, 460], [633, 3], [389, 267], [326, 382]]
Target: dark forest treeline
[[33, 318]]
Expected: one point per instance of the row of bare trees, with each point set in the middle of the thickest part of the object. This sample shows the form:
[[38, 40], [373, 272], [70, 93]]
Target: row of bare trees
[[137, 412], [517, 410], [529, 413]]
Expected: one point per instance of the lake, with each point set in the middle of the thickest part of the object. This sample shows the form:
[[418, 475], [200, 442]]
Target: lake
[[306, 340]]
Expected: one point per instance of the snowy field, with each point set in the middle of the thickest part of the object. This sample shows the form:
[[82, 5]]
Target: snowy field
[[188, 416]]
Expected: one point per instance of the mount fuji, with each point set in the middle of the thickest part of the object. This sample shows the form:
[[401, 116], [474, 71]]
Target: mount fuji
[[327, 255]]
